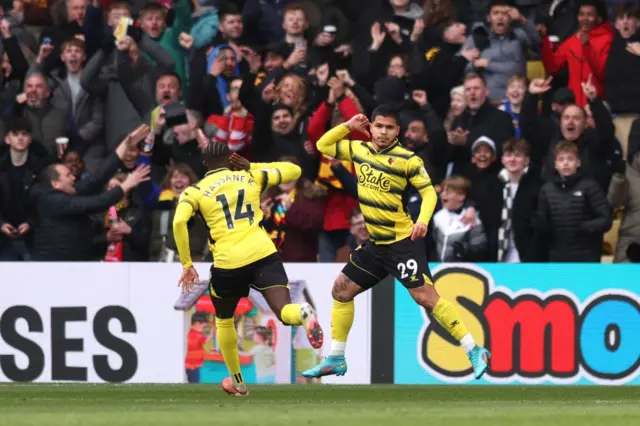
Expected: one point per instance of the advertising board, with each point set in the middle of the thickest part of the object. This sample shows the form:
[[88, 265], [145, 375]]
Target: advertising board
[[88, 322], [543, 323]]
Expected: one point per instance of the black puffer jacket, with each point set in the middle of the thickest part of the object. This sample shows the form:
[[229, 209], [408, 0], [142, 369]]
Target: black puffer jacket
[[574, 214], [64, 230], [597, 146]]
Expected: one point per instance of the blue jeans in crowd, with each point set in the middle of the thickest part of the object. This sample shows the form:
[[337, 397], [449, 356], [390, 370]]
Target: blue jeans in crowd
[[15, 250]]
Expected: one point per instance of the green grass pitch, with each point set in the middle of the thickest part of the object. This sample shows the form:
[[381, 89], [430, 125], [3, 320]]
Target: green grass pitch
[[92, 405]]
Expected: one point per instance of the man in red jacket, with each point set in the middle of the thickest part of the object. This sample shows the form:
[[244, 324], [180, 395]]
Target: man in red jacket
[[585, 53]]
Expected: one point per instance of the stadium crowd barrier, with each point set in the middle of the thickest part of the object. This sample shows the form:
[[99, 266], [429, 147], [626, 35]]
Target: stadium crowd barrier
[[97, 322]]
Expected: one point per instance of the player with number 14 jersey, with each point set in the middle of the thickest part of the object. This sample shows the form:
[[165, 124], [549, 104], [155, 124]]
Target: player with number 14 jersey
[[228, 200]]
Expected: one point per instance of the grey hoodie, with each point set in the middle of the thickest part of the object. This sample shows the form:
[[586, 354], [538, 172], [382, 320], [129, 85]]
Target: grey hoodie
[[507, 54], [100, 78]]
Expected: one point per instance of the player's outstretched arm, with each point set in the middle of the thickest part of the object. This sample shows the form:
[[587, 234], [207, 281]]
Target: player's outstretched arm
[[184, 211], [419, 178], [333, 143], [272, 174]]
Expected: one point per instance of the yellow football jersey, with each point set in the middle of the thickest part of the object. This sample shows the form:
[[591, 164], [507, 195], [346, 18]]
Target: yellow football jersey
[[384, 178], [229, 203]]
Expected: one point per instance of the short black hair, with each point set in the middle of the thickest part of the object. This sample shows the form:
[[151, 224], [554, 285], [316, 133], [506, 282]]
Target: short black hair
[[216, 156], [68, 152], [385, 110], [228, 9], [495, 3], [199, 317], [598, 5], [215, 151], [19, 124], [278, 107]]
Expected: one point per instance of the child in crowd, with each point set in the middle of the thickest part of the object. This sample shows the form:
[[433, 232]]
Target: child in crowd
[[455, 241], [573, 211], [516, 89]]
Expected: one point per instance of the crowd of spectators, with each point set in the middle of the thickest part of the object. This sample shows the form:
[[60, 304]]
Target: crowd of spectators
[[525, 113]]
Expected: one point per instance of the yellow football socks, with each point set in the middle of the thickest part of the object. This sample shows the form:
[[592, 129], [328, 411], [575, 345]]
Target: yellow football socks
[[290, 314], [228, 341], [448, 317], [341, 321]]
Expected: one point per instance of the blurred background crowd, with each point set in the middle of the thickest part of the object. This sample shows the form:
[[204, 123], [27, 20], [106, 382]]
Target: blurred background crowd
[[525, 113]]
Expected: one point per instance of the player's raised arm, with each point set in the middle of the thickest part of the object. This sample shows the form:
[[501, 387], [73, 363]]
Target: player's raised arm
[[268, 174], [272, 174], [419, 178], [334, 144], [187, 206]]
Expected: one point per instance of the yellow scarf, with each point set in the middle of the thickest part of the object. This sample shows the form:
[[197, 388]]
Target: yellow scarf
[[167, 195]]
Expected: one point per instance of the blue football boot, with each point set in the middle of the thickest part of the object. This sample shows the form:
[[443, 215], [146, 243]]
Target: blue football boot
[[479, 358], [332, 364]]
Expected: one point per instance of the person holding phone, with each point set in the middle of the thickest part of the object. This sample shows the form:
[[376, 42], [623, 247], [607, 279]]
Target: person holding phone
[[294, 23]]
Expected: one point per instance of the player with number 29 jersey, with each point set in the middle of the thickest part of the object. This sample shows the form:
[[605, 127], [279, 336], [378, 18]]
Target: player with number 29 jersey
[[238, 240]]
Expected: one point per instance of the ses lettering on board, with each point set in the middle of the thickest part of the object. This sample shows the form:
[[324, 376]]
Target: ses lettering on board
[[61, 344], [531, 336]]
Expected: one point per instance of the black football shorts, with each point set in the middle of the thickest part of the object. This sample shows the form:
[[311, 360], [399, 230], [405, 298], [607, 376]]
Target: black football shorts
[[406, 260], [261, 275]]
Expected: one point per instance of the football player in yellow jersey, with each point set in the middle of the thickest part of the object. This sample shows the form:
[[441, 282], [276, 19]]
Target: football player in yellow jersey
[[385, 171], [244, 256]]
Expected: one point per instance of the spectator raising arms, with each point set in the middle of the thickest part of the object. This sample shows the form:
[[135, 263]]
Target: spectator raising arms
[[585, 53], [503, 46], [47, 121], [64, 229], [596, 145], [268, 78], [153, 23], [86, 126]]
